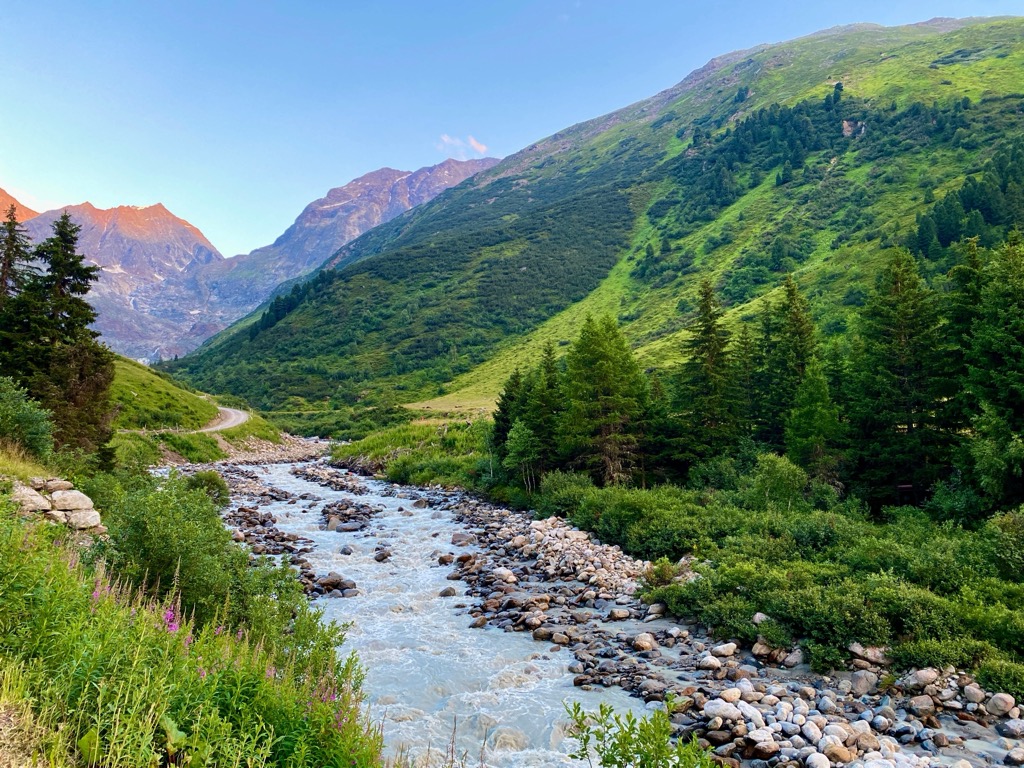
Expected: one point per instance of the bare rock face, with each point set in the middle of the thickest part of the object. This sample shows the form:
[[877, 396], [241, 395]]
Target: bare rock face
[[164, 288]]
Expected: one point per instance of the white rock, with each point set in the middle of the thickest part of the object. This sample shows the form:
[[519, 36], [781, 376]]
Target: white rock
[[817, 760], [811, 732], [760, 735], [709, 663], [1000, 704], [732, 695], [505, 575], [722, 709], [724, 650]]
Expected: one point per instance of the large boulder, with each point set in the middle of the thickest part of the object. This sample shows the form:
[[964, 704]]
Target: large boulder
[[81, 519], [30, 500], [70, 500]]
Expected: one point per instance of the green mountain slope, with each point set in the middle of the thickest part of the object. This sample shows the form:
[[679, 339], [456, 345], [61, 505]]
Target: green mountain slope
[[748, 169]]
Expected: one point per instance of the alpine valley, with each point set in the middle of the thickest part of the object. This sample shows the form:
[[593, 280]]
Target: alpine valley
[[164, 288], [808, 158]]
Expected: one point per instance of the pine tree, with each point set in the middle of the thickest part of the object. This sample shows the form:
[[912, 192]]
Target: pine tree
[[542, 407], [812, 427], [508, 409], [15, 258], [894, 388], [705, 396], [605, 400], [522, 451], [791, 350], [64, 283], [962, 305], [995, 376]]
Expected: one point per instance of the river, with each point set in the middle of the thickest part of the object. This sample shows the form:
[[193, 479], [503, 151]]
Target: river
[[427, 673]]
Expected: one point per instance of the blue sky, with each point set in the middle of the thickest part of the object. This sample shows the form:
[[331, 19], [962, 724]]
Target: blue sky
[[236, 115]]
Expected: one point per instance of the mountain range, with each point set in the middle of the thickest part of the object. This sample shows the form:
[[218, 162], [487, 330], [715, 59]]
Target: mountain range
[[164, 288], [809, 157]]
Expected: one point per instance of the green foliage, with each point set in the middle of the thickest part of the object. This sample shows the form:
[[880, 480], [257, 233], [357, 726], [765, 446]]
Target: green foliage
[[961, 652], [625, 741], [1007, 533], [134, 683], [22, 421], [1004, 677], [212, 484], [197, 448], [776, 483], [562, 493], [813, 428]]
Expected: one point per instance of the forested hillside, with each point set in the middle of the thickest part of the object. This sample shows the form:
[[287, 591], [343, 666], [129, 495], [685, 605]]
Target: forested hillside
[[810, 157]]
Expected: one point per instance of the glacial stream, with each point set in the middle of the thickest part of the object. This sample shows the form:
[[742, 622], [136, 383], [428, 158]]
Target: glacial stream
[[426, 671]]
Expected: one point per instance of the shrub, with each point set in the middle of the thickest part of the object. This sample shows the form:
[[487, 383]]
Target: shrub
[[775, 482], [625, 740], [23, 421], [1007, 534], [962, 652], [135, 684], [171, 540], [562, 493], [1003, 677], [212, 484]]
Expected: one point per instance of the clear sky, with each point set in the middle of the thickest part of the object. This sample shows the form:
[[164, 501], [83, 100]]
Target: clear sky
[[236, 115]]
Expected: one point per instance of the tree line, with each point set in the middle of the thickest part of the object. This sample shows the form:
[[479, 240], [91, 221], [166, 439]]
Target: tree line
[[922, 403], [46, 345]]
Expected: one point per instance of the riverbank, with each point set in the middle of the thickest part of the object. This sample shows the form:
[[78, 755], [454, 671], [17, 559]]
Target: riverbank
[[575, 596]]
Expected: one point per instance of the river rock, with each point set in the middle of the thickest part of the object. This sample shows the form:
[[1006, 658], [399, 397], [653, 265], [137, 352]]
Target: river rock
[[724, 651], [974, 693], [710, 663], [56, 484], [618, 614], [504, 575], [447, 592], [644, 642], [1012, 729], [461, 539], [1000, 704], [1014, 756], [921, 705], [817, 760], [722, 709], [863, 682]]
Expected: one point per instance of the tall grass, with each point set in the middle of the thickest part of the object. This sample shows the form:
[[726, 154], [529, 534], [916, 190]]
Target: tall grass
[[123, 681]]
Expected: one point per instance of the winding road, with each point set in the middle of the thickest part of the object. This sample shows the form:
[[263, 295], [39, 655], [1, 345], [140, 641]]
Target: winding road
[[226, 419]]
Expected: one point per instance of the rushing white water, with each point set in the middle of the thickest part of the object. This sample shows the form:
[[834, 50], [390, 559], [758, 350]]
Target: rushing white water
[[426, 671]]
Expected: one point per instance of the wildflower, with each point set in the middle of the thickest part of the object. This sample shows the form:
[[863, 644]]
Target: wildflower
[[271, 671], [202, 673], [171, 621], [219, 630]]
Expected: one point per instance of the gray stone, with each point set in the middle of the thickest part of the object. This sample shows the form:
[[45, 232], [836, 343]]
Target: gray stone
[[504, 575], [644, 642], [70, 500], [80, 519], [922, 705], [724, 650], [1014, 757], [55, 484], [974, 693], [794, 659], [710, 663], [1000, 704], [30, 500], [1012, 729], [817, 760], [447, 592], [722, 709], [618, 614], [863, 682]]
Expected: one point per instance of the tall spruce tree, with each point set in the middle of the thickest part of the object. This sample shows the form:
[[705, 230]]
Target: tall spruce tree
[[542, 407], [705, 396], [812, 428], [786, 360], [507, 410], [15, 257], [896, 451], [995, 362], [605, 395]]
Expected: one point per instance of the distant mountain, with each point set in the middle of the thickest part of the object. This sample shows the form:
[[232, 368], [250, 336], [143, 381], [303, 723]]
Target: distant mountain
[[165, 289], [6, 201], [137, 249], [239, 285]]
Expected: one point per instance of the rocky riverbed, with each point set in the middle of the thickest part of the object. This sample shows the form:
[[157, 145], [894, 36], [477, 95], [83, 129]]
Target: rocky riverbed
[[577, 599]]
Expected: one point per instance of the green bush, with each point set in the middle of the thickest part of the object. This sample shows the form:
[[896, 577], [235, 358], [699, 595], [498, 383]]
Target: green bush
[[212, 484], [1007, 534], [562, 493], [23, 421], [962, 652], [198, 448], [1003, 677], [170, 539]]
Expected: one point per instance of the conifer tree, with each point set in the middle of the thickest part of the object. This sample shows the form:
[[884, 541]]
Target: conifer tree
[[15, 257], [706, 399], [508, 409], [785, 361], [542, 406], [962, 305], [812, 427], [605, 398], [894, 387], [995, 362]]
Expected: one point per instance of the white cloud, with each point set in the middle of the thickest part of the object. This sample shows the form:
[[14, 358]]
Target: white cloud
[[460, 149]]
